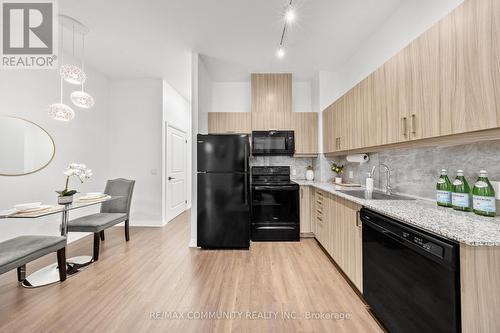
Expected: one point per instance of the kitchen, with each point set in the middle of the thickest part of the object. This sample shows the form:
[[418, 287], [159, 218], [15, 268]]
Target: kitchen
[[262, 166], [421, 111]]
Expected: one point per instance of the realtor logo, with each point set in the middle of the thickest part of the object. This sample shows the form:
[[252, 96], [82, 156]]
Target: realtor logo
[[29, 36]]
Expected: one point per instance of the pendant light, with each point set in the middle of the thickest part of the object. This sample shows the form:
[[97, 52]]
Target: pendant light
[[60, 111], [73, 73], [81, 98]]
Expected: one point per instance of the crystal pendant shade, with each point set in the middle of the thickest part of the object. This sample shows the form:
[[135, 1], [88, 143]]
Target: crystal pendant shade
[[73, 74], [61, 112], [82, 99]]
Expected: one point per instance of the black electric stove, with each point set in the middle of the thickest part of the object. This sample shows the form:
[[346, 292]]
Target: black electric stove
[[275, 204]]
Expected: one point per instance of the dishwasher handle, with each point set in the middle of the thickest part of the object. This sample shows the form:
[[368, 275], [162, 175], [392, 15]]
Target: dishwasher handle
[[383, 230]]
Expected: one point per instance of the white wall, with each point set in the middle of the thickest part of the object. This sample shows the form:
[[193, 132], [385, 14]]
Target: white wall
[[176, 113], [204, 96], [408, 22], [302, 97], [231, 97], [135, 144], [27, 93], [194, 132]]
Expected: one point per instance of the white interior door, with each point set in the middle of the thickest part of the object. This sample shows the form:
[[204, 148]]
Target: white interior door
[[175, 172]]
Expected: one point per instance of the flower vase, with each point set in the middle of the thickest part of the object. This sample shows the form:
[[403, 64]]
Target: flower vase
[[66, 200]]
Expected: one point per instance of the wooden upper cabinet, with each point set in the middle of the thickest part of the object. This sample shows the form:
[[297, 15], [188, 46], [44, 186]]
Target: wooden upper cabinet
[[422, 63], [271, 101], [305, 125], [496, 56], [329, 135], [352, 137], [445, 82], [334, 129], [378, 117], [394, 126], [229, 122], [469, 67]]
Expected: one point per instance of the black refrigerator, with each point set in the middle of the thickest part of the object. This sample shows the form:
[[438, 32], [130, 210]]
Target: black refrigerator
[[223, 191]]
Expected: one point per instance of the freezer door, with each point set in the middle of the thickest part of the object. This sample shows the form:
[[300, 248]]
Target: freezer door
[[223, 153], [223, 210]]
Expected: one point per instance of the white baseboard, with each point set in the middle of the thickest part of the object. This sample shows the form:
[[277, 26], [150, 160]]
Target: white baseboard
[[152, 224], [193, 243]]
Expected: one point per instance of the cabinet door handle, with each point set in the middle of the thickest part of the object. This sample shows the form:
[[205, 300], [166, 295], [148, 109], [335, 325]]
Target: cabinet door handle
[[413, 124], [301, 193], [358, 219], [405, 126]]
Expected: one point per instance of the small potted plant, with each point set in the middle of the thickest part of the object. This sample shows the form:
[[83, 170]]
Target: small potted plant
[[74, 169], [338, 169]]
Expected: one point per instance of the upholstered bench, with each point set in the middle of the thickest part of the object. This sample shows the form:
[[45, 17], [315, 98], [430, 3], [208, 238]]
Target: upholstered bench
[[17, 252]]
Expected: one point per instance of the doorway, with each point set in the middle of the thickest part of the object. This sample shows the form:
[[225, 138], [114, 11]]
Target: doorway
[[175, 172]]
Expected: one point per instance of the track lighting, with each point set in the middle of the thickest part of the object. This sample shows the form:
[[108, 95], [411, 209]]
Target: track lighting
[[280, 53], [289, 17], [290, 14]]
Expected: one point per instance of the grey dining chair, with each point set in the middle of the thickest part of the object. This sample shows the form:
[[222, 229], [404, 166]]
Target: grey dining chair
[[112, 213]]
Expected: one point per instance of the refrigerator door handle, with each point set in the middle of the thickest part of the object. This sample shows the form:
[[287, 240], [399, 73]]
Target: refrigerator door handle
[[246, 157], [246, 189]]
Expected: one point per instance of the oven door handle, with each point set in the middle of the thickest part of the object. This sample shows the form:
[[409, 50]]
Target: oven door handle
[[275, 228], [278, 188]]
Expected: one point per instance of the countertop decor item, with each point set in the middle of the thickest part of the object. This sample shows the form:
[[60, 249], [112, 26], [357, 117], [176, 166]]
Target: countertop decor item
[[74, 169], [338, 169], [309, 173]]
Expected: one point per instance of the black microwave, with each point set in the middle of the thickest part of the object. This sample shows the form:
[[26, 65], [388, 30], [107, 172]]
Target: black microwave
[[273, 143]]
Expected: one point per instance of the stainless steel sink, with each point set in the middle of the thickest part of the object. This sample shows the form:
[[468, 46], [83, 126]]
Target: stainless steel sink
[[375, 195]]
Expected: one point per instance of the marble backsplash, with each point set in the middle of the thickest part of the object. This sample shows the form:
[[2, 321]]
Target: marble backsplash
[[415, 171], [299, 164]]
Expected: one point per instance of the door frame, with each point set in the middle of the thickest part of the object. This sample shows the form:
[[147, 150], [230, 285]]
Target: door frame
[[166, 125]]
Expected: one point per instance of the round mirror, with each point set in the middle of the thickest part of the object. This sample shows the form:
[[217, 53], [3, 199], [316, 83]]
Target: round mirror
[[25, 147]]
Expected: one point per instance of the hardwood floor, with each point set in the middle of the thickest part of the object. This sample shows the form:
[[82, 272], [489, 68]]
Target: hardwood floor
[[156, 272]]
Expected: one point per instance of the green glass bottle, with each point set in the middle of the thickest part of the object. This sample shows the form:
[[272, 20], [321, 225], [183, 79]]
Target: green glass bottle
[[460, 197], [483, 196], [444, 189]]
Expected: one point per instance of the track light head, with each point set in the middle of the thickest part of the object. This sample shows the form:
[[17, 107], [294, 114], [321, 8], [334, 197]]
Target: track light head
[[290, 14], [281, 52]]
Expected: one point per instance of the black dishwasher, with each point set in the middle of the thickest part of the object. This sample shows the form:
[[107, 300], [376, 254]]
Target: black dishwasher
[[411, 278]]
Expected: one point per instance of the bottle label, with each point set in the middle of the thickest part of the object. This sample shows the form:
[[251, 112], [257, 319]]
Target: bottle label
[[444, 197], [484, 204], [457, 182], [441, 181], [460, 200]]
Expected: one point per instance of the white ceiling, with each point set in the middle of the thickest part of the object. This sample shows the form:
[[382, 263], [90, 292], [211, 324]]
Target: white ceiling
[[133, 38]]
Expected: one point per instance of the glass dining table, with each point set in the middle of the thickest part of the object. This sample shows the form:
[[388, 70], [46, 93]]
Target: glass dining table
[[49, 274]]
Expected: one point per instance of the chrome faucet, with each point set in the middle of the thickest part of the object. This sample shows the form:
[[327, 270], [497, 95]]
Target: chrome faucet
[[388, 187]]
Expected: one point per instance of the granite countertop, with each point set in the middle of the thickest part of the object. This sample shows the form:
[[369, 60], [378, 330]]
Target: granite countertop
[[463, 227]]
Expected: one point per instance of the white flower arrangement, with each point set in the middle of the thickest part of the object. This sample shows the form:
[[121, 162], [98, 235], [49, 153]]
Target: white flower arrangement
[[78, 170]]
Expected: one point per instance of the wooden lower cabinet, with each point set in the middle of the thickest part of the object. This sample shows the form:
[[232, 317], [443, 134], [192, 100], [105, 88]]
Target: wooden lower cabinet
[[305, 210], [479, 284], [339, 231]]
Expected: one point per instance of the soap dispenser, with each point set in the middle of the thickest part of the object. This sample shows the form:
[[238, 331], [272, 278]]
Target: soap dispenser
[[369, 183]]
